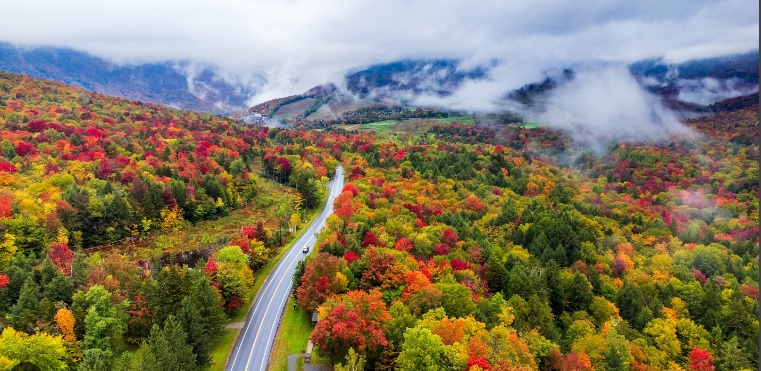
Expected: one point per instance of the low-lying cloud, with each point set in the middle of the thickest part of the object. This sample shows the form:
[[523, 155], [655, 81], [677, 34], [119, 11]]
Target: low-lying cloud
[[607, 104], [709, 90]]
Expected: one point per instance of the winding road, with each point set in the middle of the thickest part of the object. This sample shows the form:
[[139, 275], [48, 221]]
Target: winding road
[[252, 349]]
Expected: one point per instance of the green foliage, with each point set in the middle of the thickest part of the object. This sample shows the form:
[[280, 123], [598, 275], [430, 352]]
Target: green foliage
[[101, 321], [42, 350]]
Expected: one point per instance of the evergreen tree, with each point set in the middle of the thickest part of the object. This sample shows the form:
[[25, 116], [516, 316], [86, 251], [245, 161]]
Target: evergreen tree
[[201, 316], [579, 293], [167, 349], [24, 313]]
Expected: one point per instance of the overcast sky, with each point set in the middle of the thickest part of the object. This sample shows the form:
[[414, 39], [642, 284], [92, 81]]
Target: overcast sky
[[300, 43]]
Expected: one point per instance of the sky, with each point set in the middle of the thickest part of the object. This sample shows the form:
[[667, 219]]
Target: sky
[[297, 44], [285, 47]]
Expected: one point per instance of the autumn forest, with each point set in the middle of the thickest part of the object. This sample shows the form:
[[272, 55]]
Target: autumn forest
[[464, 247]]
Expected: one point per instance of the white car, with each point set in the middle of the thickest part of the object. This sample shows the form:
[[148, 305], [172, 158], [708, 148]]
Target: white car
[[305, 249]]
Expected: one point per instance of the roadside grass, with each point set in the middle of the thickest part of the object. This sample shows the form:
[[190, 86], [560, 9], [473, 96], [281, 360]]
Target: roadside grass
[[221, 350], [292, 336], [224, 346]]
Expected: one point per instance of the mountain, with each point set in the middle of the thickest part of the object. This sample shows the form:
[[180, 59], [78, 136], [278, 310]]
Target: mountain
[[688, 88], [701, 82], [176, 84], [439, 76]]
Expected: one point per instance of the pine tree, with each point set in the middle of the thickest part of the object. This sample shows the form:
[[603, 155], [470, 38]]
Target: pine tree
[[169, 348]]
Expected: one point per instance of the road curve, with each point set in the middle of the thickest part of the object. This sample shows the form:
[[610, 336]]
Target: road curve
[[252, 349]]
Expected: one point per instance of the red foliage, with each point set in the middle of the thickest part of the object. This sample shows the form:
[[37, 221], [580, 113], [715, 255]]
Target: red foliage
[[351, 256], [357, 322], [404, 244], [618, 266], [25, 148], [449, 237], [5, 206], [749, 291], [473, 203], [94, 132], [441, 249], [241, 242], [478, 361], [700, 360], [210, 268], [61, 256], [8, 167], [699, 276], [576, 362], [322, 284], [37, 126], [370, 240], [127, 177], [351, 188], [233, 304], [4, 280], [459, 265]]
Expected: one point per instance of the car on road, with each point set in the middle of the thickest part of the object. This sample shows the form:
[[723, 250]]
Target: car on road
[[305, 249]]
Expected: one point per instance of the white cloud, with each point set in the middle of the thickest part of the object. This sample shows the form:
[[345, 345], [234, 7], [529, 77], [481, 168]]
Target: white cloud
[[297, 44], [607, 104]]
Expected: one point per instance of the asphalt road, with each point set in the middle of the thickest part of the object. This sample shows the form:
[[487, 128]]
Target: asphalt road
[[254, 344]]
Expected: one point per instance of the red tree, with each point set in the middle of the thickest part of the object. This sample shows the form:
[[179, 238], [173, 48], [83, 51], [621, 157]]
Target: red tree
[[61, 256], [404, 244], [700, 360], [318, 281], [355, 322], [449, 237]]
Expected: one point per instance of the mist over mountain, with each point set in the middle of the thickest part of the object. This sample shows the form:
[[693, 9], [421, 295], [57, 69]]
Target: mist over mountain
[[685, 89], [173, 83]]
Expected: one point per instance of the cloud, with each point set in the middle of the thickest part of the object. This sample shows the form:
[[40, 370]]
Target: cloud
[[607, 104], [709, 90], [296, 44]]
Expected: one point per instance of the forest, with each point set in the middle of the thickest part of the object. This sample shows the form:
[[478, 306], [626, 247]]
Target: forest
[[462, 248]]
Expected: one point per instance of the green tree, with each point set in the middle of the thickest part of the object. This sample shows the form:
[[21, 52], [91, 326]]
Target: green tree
[[169, 348], [579, 293], [455, 298], [202, 318], [42, 350], [24, 313], [167, 290], [95, 360], [422, 351], [354, 362], [104, 322]]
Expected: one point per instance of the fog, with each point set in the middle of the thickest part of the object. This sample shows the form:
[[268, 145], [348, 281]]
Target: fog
[[276, 48], [607, 104]]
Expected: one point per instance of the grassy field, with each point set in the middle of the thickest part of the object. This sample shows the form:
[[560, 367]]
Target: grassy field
[[292, 336], [414, 125], [529, 125]]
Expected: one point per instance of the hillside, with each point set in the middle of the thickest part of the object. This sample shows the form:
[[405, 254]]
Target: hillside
[[476, 247], [173, 83], [101, 197]]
